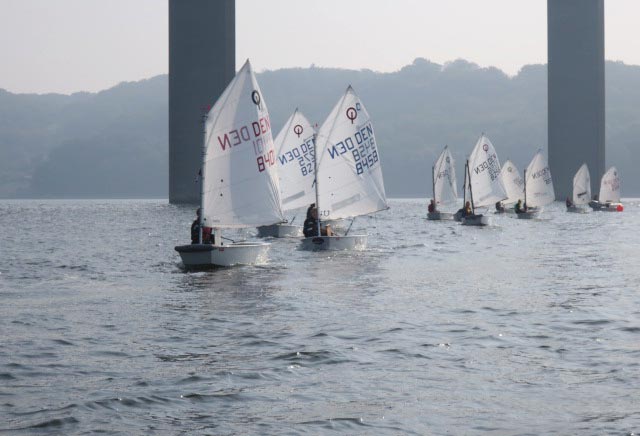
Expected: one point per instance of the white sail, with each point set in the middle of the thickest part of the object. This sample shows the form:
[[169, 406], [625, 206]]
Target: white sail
[[240, 182], [513, 183], [610, 187], [295, 154], [444, 174], [538, 184], [484, 169], [349, 173], [582, 186]]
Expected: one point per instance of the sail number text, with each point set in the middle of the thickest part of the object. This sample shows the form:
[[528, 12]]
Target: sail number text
[[545, 173], [491, 165], [302, 154], [362, 146], [259, 134]]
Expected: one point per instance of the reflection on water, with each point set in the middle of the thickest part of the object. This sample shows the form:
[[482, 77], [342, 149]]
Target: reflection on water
[[526, 327]]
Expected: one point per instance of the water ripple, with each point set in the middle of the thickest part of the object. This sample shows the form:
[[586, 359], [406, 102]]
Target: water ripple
[[434, 329]]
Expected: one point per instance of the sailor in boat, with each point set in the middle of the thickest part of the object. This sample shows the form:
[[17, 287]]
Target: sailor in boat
[[499, 207], [207, 234], [310, 228], [311, 206], [519, 208], [465, 211], [432, 206], [568, 202]]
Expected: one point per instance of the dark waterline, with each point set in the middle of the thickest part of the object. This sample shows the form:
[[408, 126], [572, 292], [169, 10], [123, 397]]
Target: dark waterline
[[522, 328]]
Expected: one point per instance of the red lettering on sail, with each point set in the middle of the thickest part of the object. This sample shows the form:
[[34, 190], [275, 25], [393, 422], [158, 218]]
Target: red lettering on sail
[[236, 137]]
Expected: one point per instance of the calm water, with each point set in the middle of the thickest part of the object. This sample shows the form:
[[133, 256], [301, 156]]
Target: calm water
[[522, 328]]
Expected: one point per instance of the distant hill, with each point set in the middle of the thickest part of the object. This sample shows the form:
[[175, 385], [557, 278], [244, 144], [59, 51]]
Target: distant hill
[[115, 143]]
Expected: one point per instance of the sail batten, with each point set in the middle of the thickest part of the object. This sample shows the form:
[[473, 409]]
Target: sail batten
[[240, 183], [349, 173]]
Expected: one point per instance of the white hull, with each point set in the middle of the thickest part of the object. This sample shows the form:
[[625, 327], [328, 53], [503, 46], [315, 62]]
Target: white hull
[[507, 209], [208, 255], [440, 216], [336, 243], [529, 215], [476, 220], [576, 209], [280, 231], [606, 207]]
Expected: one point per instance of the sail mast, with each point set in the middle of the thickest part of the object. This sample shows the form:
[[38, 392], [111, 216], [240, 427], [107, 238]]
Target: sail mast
[[433, 185], [473, 208], [204, 155], [464, 186], [315, 172], [525, 189]]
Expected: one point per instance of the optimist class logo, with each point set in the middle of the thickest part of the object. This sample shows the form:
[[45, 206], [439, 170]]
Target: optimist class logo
[[255, 98], [352, 114], [448, 160], [485, 147], [298, 130]]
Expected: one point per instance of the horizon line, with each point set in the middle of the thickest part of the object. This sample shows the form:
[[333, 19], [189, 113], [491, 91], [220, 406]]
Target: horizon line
[[443, 67]]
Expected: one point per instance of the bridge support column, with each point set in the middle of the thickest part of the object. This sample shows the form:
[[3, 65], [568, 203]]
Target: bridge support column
[[575, 33], [202, 61]]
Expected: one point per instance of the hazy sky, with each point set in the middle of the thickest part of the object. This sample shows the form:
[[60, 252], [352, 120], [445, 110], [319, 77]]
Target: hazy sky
[[73, 45]]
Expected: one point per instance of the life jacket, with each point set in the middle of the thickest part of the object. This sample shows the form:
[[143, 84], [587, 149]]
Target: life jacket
[[310, 227]]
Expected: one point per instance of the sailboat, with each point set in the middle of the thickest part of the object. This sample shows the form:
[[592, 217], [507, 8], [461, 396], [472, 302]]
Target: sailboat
[[482, 178], [581, 190], [443, 181], [538, 186], [513, 185], [348, 173], [609, 195], [239, 182], [294, 147]]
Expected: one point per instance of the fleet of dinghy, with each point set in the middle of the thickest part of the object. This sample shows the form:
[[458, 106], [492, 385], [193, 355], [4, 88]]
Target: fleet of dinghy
[[239, 184], [538, 187], [249, 180], [609, 195], [445, 189], [483, 182], [581, 191], [513, 185], [348, 173], [294, 147]]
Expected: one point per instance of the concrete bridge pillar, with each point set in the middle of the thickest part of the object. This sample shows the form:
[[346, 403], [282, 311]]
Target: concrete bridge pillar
[[202, 61], [575, 30]]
